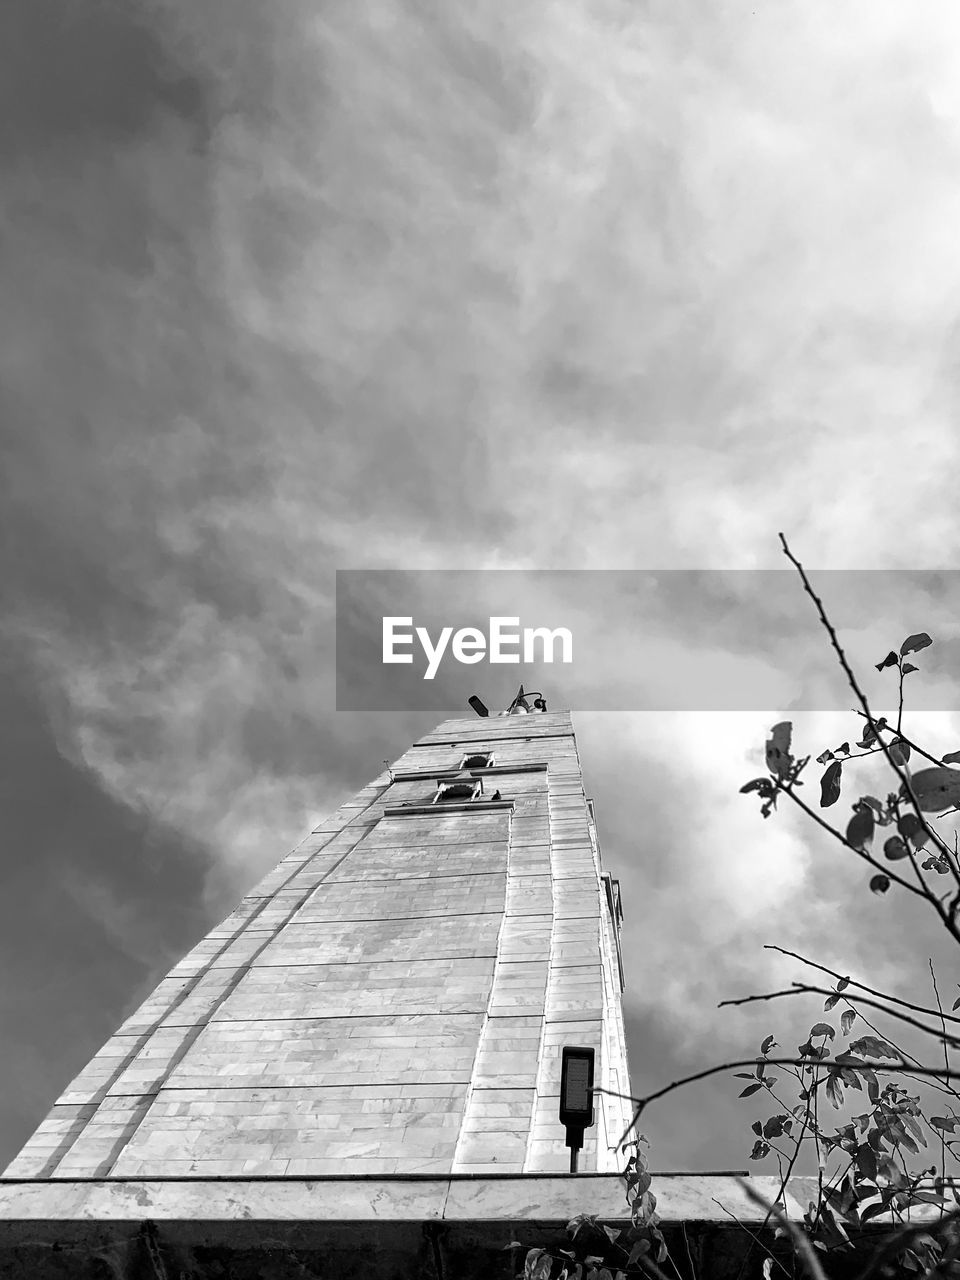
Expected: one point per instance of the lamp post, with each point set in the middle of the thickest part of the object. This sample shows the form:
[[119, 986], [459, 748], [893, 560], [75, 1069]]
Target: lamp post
[[521, 702], [524, 699], [576, 1096]]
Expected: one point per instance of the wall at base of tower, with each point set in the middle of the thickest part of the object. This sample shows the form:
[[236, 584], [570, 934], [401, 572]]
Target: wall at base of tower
[[392, 998]]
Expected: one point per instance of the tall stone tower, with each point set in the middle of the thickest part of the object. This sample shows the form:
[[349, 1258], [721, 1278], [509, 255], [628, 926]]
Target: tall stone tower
[[391, 999]]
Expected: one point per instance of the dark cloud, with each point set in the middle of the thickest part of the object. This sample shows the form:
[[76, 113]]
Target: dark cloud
[[77, 75], [98, 901]]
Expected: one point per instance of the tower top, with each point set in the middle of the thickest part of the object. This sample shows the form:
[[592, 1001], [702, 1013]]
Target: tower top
[[522, 705]]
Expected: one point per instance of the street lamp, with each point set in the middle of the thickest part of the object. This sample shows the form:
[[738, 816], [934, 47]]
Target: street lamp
[[576, 1096], [523, 700]]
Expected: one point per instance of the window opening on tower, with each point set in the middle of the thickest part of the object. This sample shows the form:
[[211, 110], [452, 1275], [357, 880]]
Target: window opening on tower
[[482, 760], [452, 792]]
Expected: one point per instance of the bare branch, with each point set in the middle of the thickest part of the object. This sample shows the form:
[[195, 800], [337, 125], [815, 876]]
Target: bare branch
[[901, 773], [753, 1236], [895, 1066], [800, 989], [841, 977], [802, 1244]]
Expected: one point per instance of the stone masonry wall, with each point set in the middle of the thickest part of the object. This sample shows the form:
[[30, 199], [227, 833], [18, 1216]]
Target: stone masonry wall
[[391, 998]]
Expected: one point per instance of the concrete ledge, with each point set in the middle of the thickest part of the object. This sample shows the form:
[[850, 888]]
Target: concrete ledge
[[498, 770], [441, 810], [361, 1228], [511, 1199]]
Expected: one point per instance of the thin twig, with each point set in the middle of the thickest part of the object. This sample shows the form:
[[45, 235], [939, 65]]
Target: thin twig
[[906, 1004], [803, 1246], [883, 868], [686, 1245], [902, 774], [902, 737], [755, 1238], [801, 988], [901, 1239], [946, 1062], [868, 1064]]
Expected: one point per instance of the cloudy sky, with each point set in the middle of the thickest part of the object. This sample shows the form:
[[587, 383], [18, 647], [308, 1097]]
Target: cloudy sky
[[559, 284]]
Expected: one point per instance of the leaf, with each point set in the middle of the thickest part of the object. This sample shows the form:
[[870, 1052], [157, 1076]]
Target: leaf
[[844, 747], [906, 1141], [767, 1045], [848, 1059], [760, 1149], [911, 828], [889, 661], [869, 735], [894, 848], [860, 828], [872, 1210], [779, 758], [834, 1089], [763, 785], [935, 863], [866, 1161], [908, 667], [899, 751], [822, 1029], [914, 1128], [578, 1223], [952, 758], [829, 1003], [538, 1265], [847, 1019], [830, 784], [843, 984], [936, 789], [873, 1047], [913, 643], [757, 1127], [751, 1088], [879, 884]]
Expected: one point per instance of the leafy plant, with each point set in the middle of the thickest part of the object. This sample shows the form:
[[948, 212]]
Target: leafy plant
[[880, 1152], [874, 1164], [599, 1252]]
